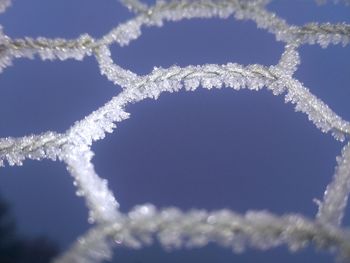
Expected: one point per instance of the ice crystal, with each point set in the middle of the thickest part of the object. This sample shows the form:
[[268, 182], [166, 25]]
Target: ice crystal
[[172, 227]]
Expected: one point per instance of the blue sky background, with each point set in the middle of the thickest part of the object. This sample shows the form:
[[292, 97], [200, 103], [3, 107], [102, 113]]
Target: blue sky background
[[205, 149]]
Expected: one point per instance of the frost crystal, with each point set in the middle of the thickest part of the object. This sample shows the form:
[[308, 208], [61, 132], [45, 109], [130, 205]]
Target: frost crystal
[[172, 227]]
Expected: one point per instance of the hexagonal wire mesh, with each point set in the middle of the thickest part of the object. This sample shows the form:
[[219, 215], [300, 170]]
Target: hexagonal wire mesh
[[171, 226]]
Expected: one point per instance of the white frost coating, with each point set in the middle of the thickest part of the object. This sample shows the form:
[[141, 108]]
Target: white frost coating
[[46, 49], [35, 147], [175, 229], [324, 34], [112, 71], [253, 77], [84, 45], [135, 5], [290, 60], [336, 195], [317, 111], [4, 4], [100, 201], [172, 227], [93, 247]]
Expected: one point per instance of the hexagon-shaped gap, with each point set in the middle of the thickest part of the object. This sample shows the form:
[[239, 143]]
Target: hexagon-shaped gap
[[38, 96], [217, 149], [199, 41]]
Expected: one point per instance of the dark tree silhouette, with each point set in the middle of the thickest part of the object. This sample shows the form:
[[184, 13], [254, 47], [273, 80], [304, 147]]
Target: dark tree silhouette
[[14, 249]]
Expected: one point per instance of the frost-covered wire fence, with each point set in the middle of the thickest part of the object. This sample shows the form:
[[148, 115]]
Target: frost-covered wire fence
[[172, 227]]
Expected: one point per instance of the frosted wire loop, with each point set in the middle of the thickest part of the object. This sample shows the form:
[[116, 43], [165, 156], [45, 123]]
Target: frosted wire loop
[[172, 227]]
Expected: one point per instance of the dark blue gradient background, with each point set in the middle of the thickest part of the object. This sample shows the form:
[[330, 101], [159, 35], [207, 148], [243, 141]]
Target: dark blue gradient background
[[204, 149]]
